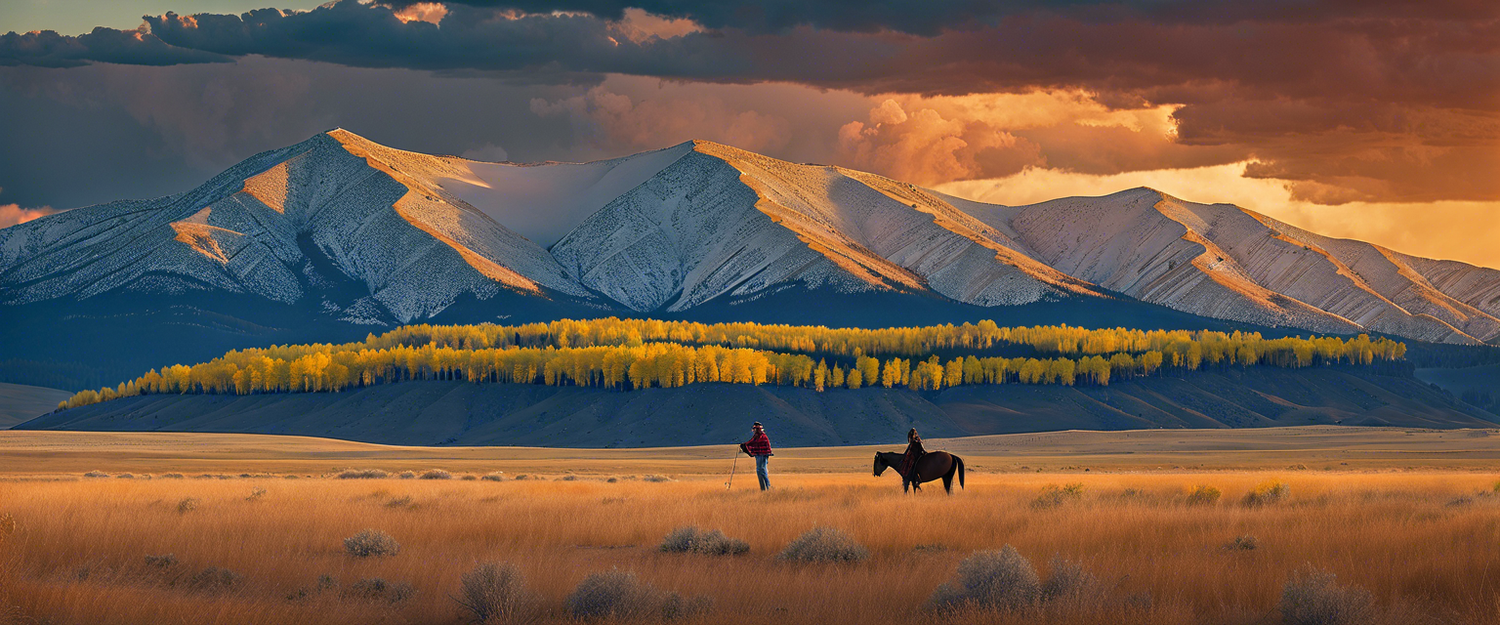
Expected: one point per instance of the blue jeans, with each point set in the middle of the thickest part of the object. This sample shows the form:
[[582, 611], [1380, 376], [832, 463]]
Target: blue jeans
[[760, 472]]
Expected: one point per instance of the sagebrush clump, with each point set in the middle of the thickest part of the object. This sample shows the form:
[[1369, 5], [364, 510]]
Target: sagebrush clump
[[824, 544], [371, 542], [1203, 495], [621, 596], [376, 589], [437, 474], [495, 592], [1053, 495], [187, 505], [693, 540], [363, 474], [1072, 589], [1005, 580], [1267, 493], [214, 579], [1313, 597], [990, 580], [163, 561]]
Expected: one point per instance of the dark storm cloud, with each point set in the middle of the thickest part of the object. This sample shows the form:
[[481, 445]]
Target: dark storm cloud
[[929, 18], [1351, 99], [49, 49]]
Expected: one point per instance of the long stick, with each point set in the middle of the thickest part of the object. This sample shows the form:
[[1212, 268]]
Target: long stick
[[730, 484]]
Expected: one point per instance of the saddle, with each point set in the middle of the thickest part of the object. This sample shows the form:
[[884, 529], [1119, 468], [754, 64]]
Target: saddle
[[909, 463]]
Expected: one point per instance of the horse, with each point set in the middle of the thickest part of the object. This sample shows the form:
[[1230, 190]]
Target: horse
[[931, 466]]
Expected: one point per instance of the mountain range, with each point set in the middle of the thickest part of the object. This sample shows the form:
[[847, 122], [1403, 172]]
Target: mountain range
[[337, 236]]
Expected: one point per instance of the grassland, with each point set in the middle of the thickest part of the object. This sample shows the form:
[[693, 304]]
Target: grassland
[[1412, 518]]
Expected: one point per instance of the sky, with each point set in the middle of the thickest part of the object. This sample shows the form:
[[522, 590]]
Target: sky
[[1371, 119]]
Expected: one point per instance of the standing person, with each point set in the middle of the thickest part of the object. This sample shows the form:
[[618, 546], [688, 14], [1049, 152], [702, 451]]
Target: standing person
[[759, 447], [914, 452]]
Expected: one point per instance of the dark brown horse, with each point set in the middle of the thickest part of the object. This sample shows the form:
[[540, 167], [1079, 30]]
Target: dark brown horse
[[931, 466]]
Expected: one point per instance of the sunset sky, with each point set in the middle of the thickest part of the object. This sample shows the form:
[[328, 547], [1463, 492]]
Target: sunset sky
[[1374, 119]]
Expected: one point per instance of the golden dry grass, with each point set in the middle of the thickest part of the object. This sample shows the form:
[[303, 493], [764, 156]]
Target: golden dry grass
[[1425, 542]]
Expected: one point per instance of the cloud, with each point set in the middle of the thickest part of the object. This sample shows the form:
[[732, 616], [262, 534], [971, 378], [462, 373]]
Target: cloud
[[617, 122], [934, 17], [487, 152], [12, 214], [931, 140], [1353, 100]]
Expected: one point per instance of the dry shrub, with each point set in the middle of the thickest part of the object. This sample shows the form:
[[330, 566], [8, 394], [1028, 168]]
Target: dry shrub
[[173, 476], [363, 474], [96, 474], [126, 476], [990, 580], [255, 494], [494, 477], [1053, 496], [376, 589], [824, 544], [163, 561], [1203, 495], [1267, 493], [656, 478], [692, 540], [523, 476], [619, 595], [399, 502], [214, 579], [1312, 597], [470, 478], [408, 475], [495, 592], [371, 542], [187, 505], [1072, 590], [437, 474], [1242, 543]]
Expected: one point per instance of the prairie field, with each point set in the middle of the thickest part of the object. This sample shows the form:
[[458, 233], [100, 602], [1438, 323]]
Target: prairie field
[[1179, 527]]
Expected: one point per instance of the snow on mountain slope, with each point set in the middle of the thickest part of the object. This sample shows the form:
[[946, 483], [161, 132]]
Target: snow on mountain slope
[[1228, 263], [414, 247], [542, 202], [369, 234], [725, 221], [689, 234]]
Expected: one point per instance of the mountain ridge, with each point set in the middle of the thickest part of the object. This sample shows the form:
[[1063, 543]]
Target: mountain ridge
[[372, 235]]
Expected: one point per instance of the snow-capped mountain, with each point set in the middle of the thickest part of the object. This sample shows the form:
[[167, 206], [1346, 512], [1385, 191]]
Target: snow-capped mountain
[[359, 233]]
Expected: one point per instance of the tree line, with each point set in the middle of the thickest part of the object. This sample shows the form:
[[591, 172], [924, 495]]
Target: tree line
[[615, 354], [1060, 340]]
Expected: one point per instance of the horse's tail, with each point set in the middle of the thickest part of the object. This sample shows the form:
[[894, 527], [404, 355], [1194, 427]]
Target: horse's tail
[[960, 462]]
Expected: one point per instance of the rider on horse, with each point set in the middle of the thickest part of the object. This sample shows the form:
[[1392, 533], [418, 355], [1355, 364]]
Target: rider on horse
[[914, 452]]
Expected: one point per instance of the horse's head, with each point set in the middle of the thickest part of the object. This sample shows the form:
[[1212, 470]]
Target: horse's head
[[880, 464]]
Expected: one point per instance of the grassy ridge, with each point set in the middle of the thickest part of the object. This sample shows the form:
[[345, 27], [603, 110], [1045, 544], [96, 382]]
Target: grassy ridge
[[634, 354]]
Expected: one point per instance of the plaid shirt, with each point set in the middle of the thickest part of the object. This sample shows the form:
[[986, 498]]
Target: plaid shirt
[[758, 445]]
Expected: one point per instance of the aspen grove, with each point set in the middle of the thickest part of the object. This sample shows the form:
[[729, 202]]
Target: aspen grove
[[631, 354]]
